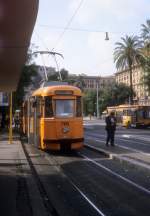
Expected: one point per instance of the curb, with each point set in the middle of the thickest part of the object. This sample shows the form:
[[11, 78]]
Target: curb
[[133, 162]]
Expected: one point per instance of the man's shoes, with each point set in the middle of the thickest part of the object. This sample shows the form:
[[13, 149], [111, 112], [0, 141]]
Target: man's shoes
[[107, 144], [112, 145]]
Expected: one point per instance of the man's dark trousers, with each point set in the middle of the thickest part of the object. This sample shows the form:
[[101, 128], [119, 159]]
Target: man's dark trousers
[[110, 136]]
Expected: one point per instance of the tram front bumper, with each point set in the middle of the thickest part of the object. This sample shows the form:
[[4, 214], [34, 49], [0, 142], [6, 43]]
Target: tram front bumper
[[59, 144]]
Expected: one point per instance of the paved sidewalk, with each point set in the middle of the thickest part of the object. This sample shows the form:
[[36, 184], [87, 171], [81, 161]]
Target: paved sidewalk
[[18, 192], [10, 181]]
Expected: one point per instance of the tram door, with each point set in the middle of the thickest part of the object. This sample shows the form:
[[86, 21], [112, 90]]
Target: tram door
[[37, 118], [30, 119]]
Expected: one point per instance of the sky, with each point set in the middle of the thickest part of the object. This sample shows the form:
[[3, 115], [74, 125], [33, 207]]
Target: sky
[[76, 29]]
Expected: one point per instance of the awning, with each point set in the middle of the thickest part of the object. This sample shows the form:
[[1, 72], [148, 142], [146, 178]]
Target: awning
[[17, 19]]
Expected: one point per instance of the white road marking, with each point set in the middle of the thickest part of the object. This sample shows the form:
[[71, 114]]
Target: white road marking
[[126, 135], [126, 140], [124, 147]]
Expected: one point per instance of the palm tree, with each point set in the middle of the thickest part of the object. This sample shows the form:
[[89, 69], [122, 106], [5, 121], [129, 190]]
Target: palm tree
[[127, 54], [146, 34]]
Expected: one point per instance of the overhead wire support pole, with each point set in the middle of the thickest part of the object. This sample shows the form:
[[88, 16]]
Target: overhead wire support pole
[[97, 104], [10, 118]]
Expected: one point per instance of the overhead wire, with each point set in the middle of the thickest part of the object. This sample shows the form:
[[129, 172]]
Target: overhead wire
[[63, 32], [69, 28], [68, 24], [42, 41], [44, 44], [84, 29], [64, 28]]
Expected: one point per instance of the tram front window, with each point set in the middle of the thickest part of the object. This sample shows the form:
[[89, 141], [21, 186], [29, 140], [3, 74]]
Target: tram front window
[[64, 108]]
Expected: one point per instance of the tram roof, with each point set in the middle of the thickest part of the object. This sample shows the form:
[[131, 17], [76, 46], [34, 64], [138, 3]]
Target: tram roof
[[51, 90], [17, 21], [132, 105], [128, 106]]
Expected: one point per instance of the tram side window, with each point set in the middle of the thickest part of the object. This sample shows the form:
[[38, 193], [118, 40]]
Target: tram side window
[[148, 114], [32, 106], [48, 107], [39, 106], [78, 107], [119, 116]]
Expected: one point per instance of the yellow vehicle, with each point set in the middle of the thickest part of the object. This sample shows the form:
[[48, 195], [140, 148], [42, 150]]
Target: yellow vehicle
[[132, 115], [52, 117]]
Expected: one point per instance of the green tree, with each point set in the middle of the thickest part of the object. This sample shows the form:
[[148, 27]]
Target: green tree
[[114, 95], [146, 34], [55, 75], [29, 72], [89, 102], [127, 54], [120, 93], [26, 79], [80, 82]]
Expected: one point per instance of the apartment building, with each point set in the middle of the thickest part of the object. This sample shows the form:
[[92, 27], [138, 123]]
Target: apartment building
[[91, 82], [139, 88]]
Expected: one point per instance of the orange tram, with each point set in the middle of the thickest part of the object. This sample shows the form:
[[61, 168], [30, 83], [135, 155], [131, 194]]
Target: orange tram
[[52, 117]]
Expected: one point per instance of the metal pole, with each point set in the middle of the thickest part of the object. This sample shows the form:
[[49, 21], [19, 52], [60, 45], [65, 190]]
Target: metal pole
[[45, 71], [60, 77], [97, 101], [10, 115]]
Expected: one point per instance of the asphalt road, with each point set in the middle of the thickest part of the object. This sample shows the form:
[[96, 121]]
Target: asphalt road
[[136, 139]]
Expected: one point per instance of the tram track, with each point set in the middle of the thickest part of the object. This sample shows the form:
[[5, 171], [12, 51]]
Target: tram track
[[112, 172], [130, 162], [116, 175], [97, 210], [125, 180], [51, 210], [80, 184]]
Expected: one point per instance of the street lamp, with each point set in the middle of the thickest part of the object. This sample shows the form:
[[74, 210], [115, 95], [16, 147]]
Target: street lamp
[[54, 55]]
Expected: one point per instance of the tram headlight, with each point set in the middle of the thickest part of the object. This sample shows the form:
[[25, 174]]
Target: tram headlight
[[66, 129]]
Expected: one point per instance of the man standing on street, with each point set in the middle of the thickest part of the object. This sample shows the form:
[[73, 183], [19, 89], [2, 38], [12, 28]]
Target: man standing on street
[[110, 128]]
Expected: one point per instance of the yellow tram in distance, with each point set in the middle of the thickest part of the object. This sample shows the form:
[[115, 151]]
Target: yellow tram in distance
[[52, 117], [132, 115]]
